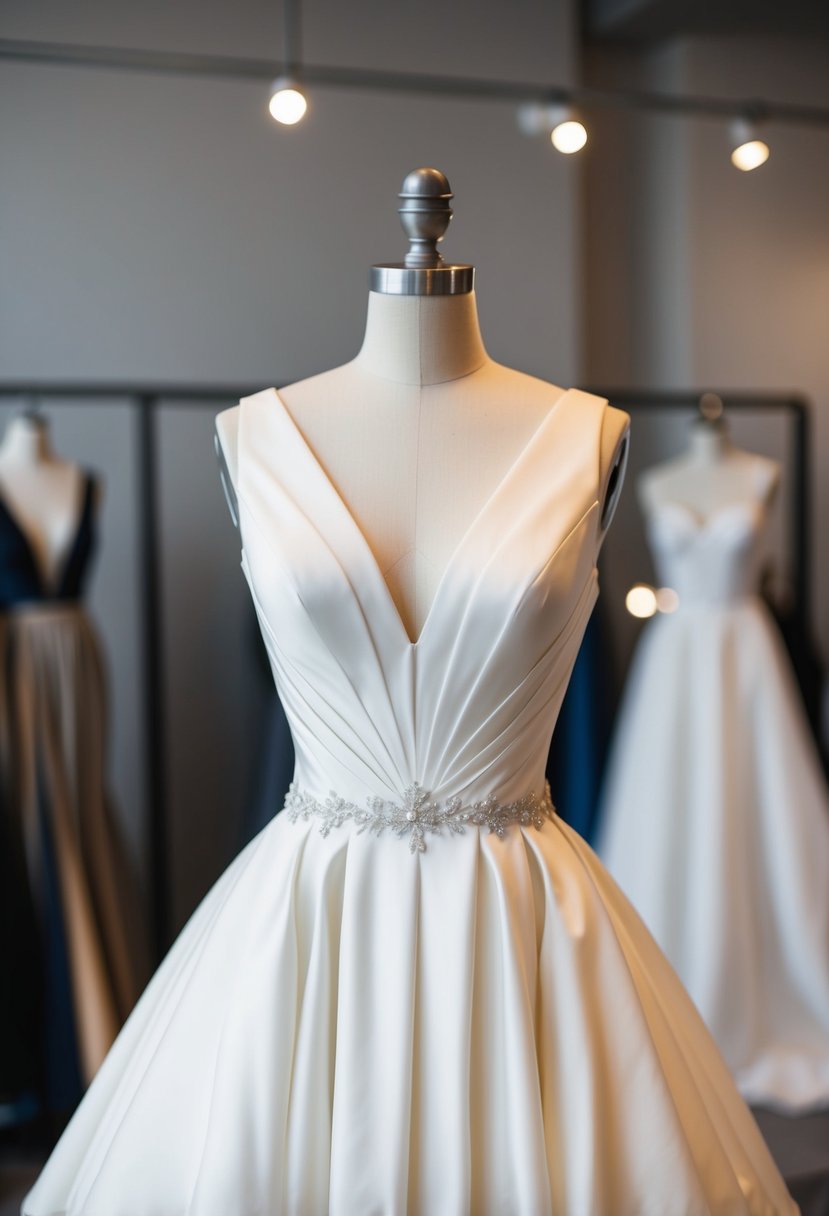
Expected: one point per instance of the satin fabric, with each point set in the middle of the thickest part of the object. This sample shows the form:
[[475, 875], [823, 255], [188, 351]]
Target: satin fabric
[[716, 815], [346, 1027]]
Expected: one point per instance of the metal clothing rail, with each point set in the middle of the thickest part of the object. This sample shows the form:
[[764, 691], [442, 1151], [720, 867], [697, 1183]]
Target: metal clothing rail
[[147, 399]]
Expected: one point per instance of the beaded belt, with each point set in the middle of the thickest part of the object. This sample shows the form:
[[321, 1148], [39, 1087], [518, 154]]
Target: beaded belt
[[419, 813]]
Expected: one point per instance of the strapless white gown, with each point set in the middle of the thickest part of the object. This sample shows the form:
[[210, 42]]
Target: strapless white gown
[[716, 815], [437, 1019]]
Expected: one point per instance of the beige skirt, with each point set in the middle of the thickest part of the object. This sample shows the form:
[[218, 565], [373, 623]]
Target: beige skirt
[[52, 761]]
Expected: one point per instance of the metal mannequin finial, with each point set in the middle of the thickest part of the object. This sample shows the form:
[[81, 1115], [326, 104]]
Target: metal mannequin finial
[[425, 214]]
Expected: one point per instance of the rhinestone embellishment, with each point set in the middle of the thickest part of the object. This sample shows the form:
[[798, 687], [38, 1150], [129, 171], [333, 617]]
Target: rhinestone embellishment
[[419, 813]]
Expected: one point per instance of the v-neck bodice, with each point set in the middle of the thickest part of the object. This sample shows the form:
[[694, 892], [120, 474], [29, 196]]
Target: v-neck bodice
[[469, 706], [21, 579]]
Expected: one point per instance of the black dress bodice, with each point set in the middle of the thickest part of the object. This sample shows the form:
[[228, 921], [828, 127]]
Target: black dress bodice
[[20, 578]]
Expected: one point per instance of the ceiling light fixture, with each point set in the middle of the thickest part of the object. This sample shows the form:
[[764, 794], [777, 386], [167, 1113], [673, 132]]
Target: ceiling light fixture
[[749, 152], [559, 121], [288, 103], [569, 134]]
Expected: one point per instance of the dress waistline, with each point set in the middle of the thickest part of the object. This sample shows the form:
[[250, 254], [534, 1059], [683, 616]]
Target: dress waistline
[[418, 813], [36, 610]]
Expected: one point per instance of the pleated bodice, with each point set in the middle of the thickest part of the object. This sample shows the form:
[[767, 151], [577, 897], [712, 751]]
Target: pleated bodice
[[468, 708]]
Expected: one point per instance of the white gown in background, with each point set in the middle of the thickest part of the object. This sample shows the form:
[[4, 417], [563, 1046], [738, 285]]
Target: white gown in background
[[437, 1019], [715, 813]]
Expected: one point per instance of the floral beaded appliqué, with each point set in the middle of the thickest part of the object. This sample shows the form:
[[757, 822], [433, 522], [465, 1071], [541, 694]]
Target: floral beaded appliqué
[[419, 813]]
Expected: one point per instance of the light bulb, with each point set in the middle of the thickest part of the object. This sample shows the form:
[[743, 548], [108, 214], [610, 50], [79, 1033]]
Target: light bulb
[[667, 600], [640, 601], [287, 104], [558, 120], [749, 152], [569, 136], [750, 155]]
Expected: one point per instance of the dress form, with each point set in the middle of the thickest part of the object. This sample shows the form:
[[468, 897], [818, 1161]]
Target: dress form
[[711, 474], [352, 1021], [422, 424], [41, 490]]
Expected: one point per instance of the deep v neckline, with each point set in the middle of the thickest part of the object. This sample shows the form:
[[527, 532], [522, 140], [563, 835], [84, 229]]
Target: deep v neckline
[[490, 501], [50, 588]]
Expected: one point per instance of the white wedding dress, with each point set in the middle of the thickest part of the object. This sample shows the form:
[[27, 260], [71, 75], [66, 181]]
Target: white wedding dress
[[435, 1018], [715, 813]]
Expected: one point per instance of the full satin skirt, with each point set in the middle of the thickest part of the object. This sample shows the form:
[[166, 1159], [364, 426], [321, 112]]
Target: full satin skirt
[[716, 826], [343, 1027]]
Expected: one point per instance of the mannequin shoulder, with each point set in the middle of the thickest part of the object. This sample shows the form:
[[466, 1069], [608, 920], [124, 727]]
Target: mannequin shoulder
[[226, 432], [226, 440], [614, 427], [226, 447], [615, 438], [768, 474], [613, 458]]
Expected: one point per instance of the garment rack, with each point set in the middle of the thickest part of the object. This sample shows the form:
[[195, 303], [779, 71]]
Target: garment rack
[[148, 399]]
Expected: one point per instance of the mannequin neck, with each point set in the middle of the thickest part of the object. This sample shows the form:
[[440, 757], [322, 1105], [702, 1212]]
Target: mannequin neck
[[26, 441], [422, 339], [709, 444]]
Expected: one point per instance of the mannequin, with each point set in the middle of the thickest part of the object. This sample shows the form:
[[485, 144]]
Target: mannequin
[[73, 871], [416, 990], [417, 428], [42, 491], [715, 816], [712, 473]]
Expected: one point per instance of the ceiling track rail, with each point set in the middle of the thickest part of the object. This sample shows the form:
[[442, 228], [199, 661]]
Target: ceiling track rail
[[178, 63]]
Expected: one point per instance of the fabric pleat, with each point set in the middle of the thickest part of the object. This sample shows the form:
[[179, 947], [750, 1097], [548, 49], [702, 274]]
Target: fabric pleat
[[423, 1036]]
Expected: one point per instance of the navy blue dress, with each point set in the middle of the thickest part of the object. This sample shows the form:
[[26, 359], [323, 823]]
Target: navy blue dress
[[71, 935]]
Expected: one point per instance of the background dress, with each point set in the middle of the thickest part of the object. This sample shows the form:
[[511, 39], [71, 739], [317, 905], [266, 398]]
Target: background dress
[[68, 863], [432, 1018], [716, 816]]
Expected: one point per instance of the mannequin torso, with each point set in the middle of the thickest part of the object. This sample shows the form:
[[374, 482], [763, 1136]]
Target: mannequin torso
[[42, 492], [710, 475], [416, 431]]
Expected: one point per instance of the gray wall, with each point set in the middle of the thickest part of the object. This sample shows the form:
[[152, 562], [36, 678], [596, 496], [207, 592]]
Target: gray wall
[[156, 228]]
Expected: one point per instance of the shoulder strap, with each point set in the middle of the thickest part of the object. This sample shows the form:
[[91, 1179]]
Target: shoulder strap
[[603, 478], [74, 571]]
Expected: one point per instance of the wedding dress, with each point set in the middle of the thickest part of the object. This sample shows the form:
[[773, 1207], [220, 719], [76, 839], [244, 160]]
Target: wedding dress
[[716, 815], [416, 991]]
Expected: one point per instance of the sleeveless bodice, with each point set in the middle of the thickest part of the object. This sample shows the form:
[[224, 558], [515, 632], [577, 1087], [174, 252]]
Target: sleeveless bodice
[[714, 561], [468, 708], [21, 581]]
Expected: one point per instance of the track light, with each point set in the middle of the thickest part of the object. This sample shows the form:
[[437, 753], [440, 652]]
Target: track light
[[287, 104], [569, 136], [749, 152], [560, 121]]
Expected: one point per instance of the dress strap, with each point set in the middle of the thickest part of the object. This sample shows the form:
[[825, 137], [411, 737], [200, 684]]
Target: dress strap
[[70, 585]]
